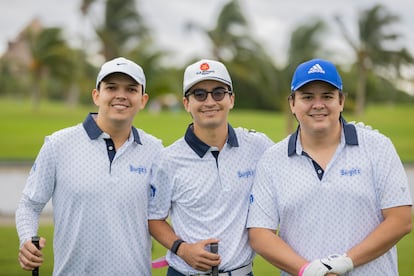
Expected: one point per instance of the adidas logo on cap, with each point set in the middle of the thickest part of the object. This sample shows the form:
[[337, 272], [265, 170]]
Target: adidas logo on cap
[[316, 69]]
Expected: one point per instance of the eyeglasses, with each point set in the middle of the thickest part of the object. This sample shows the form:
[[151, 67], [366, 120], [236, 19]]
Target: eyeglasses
[[217, 94]]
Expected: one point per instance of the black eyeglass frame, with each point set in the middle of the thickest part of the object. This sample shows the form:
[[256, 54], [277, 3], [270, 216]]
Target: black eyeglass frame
[[217, 94]]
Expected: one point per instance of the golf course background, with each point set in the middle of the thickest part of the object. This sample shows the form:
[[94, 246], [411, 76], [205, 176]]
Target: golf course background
[[23, 132]]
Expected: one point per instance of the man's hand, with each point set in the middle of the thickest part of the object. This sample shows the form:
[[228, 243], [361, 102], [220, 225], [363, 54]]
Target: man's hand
[[198, 256], [340, 264], [29, 256]]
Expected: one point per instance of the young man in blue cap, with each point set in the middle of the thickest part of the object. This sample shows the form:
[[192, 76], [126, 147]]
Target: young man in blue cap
[[97, 175], [337, 193], [203, 181]]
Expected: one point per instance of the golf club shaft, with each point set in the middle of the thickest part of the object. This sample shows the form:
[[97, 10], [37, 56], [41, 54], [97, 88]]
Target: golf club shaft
[[35, 241]]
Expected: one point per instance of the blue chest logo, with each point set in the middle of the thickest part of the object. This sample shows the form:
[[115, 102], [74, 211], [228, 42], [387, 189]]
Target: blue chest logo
[[350, 172], [245, 174], [138, 170]]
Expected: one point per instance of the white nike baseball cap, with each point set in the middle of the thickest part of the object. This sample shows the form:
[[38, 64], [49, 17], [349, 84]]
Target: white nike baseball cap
[[122, 65], [205, 69]]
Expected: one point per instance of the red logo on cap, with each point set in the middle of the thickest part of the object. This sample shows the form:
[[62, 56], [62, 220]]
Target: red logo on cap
[[204, 67]]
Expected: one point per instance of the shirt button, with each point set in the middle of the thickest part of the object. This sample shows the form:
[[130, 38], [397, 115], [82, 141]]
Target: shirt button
[[319, 171], [110, 148]]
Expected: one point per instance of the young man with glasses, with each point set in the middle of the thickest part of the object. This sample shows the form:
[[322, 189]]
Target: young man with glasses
[[203, 181]]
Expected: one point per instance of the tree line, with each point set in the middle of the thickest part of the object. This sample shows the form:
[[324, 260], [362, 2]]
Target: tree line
[[50, 68]]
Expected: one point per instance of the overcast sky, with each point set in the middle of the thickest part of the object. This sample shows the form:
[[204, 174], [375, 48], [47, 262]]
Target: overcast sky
[[270, 21]]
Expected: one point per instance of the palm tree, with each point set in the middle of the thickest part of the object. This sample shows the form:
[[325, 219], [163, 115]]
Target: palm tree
[[370, 48], [51, 60], [160, 80], [230, 31], [305, 42], [85, 5], [123, 32], [255, 78], [123, 27], [252, 69]]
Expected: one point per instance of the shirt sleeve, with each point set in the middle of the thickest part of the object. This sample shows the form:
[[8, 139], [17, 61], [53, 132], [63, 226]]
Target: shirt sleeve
[[37, 192], [27, 218], [392, 179], [263, 202], [161, 192]]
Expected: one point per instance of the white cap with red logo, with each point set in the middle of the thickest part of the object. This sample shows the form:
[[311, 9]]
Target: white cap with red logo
[[205, 69]]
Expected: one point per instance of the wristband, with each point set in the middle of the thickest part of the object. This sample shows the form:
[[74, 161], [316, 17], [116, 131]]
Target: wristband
[[302, 269], [159, 263], [176, 245]]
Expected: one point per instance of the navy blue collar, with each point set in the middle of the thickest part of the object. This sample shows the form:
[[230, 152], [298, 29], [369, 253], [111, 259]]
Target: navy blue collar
[[202, 148], [94, 131], [351, 137]]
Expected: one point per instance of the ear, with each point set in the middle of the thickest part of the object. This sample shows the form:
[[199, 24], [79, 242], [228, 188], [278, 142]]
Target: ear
[[232, 98], [342, 101], [292, 104], [95, 96], [186, 104], [144, 100]]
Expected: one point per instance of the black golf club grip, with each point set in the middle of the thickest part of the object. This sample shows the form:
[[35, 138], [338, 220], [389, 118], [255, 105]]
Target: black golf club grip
[[214, 249], [35, 241]]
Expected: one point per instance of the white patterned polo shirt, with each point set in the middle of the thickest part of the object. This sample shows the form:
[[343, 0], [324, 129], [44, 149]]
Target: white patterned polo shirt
[[99, 205], [318, 217], [208, 198]]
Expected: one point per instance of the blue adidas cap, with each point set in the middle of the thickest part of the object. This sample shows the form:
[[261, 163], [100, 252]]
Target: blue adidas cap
[[316, 70]]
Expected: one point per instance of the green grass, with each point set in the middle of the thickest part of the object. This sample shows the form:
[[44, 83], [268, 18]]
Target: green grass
[[23, 130], [9, 249]]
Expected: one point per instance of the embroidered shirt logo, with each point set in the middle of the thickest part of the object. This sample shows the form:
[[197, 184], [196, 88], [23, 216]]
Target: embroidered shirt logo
[[350, 172], [316, 69], [138, 170], [245, 174]]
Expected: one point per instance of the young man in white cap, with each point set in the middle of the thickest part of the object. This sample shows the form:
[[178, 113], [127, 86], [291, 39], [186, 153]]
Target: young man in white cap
[[97, 175], [337, 193], [203, 181]]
